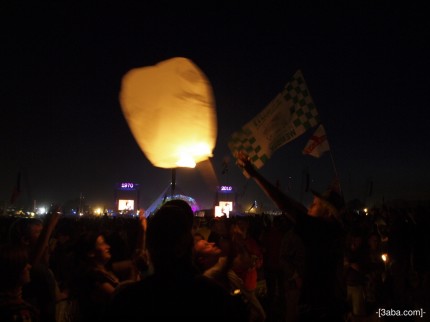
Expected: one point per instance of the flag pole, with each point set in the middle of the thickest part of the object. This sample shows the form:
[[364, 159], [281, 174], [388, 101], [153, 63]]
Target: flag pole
[[305, 182], [173, 182], [335, 171]]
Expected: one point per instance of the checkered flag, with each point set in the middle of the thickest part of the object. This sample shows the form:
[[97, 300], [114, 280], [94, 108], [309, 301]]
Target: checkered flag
[[290, 114]]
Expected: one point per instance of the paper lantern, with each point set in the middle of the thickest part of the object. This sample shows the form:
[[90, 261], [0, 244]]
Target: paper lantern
[[170, 110]]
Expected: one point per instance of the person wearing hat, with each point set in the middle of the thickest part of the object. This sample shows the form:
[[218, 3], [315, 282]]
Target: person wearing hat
[[320, 228]]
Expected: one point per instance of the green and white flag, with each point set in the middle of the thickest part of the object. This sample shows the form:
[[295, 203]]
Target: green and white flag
[[290, 114]]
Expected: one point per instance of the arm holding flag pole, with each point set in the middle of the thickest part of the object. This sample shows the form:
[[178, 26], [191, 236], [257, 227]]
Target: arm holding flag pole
[[328, 205], [284, 202]]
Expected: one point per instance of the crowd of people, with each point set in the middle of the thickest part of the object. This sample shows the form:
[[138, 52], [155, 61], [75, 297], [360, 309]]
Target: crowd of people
[[324, 263]]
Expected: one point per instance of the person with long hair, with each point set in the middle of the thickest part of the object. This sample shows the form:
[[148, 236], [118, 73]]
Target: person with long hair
[[14, 274]]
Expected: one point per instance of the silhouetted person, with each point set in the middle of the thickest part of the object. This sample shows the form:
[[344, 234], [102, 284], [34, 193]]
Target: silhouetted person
[[97, 277], [14, 274], [35, 234], [175, 289], [356, 267], [321, 231], [218, 265]]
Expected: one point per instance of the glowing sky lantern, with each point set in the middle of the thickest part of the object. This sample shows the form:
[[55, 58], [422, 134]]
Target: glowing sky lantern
[[170, 110]]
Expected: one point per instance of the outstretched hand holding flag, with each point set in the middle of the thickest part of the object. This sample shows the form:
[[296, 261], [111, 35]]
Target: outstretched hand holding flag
[[290, 114]]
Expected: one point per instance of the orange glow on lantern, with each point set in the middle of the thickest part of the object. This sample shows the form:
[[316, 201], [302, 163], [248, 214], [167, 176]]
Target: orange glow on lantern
[[170, 110]]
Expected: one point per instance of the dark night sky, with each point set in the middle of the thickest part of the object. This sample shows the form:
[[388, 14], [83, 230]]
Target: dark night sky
[[367, 69]]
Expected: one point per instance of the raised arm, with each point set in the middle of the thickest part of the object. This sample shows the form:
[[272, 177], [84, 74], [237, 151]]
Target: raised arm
[[290, 206], [140, 257], [41, 247], [141, 242]]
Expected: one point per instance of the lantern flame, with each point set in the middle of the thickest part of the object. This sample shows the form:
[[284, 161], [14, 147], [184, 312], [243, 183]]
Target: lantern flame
[[191, 154]]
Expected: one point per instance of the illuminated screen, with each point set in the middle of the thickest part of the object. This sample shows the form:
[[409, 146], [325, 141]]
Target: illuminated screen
[[125, 204], [223, 209], [226, 204], [218, 212]]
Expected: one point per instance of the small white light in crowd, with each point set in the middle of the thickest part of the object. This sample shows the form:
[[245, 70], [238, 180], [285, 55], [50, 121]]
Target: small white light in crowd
[[236, 292]]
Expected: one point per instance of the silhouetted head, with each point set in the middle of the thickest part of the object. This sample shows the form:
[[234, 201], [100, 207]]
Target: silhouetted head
[[25, 231], [185, 206], [169, 239]]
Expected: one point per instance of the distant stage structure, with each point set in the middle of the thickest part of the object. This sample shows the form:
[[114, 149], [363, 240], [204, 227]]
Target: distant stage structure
[[167, 195]]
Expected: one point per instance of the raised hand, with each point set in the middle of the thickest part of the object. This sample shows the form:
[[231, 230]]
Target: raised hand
[[243, 161]]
